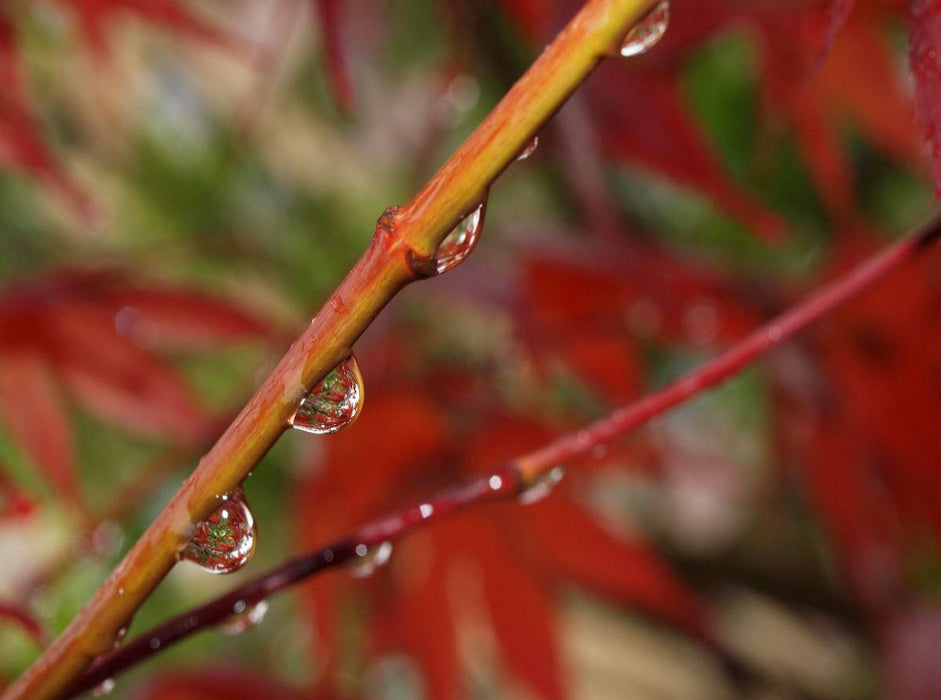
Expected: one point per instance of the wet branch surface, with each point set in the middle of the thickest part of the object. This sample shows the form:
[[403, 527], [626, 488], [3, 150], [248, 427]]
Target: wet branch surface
[[512, 479]]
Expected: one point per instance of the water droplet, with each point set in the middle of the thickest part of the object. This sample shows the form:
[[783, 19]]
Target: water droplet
[[103, 688], [153, 643], [646, 33], [426, 510], [368, 559], [224, 541], [119, 637], [458, 244], [496, 483], [542, 486], [334, 403], [245, 617], [528, 149]]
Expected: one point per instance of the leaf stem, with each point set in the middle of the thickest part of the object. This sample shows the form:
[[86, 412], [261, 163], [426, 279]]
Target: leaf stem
[[511, 479]]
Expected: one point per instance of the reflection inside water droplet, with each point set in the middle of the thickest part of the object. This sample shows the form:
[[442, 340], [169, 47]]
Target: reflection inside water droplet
[[225, 541], [245, 617], [369, 559], [458, 244], [542, 486], [334, 403], [646, 33]]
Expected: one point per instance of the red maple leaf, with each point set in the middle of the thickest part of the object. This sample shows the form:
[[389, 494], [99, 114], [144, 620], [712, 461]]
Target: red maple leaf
[[22, 144], [219, 682], [867, 432], [13, 502], [96, 18], [924, 32], [95, 335], [857, 81], [330, 14]]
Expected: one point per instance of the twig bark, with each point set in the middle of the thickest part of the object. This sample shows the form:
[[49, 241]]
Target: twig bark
[[404, 242], [510, 480]]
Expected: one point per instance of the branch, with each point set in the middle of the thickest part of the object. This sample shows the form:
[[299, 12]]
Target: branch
[[402, 247], [501, 484], [123, 503], [734, 359], [512, 479]]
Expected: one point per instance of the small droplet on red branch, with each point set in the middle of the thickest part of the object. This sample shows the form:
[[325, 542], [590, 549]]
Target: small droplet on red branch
[[529, 149], [334, 403], [103, 688], [370, 559], [644, 35], [541, 486], [225, 541], [458, 244], [244, 617]]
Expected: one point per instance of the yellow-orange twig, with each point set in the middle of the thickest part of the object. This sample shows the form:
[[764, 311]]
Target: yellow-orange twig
[[405, 238]]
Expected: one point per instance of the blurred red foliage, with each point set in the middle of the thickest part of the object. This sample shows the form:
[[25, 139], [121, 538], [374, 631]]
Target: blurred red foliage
[[101, 337], [862, 420]]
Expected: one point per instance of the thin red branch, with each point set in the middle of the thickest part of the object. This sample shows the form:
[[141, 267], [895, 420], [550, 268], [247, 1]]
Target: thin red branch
[[510, 480], [733, 360], [501, 484]]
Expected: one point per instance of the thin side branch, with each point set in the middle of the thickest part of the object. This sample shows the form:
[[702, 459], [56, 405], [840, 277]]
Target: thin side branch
[[404, 235], [513, 478], [501, 484], [733, 360]]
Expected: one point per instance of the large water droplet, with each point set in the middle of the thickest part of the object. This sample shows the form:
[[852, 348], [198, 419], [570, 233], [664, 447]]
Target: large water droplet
[[458, 244], [244, 617], [225, 541], [646, 33], [542, 486], [369, 559], [334, 403], [103, 688], [528, 149]]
